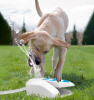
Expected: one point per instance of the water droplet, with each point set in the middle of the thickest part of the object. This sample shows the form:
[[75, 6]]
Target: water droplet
[[17, 31], [21, 41], [23, 45], [10, 24], [31, 64]]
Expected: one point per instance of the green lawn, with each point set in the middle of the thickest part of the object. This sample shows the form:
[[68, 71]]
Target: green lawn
[[78, 68]]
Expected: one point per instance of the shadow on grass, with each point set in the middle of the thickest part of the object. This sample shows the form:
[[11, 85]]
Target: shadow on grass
[[80, 81]]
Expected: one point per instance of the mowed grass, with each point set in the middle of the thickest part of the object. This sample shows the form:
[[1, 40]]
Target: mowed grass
[[78, 68]]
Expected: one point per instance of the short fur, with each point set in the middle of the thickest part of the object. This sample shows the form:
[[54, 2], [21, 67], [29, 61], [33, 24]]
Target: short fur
[[49, 33]]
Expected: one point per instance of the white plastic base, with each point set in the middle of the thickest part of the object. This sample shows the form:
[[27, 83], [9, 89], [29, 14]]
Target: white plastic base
[[64, 92], [47, 89], [41, 87]]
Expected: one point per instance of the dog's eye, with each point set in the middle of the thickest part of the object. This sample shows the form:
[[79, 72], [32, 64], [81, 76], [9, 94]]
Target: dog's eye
[[45, 52], [36, 48]]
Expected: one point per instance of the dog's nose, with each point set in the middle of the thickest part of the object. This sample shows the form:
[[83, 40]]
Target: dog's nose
[[37, 60]]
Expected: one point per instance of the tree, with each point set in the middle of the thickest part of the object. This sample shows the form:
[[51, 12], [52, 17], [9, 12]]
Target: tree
[[23, 28], [88, 36], [5, 32], [74, 40]]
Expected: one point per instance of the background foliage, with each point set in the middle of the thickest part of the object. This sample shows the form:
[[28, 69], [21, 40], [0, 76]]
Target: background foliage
[[88, 36], [5, 32]]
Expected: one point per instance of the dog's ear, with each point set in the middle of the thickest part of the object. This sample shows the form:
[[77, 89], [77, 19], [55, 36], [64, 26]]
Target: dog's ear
[[27, 36], [58, 42]]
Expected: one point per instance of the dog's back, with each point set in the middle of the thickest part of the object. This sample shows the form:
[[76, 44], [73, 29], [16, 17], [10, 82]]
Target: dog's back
[[59, 12], [55, 15]]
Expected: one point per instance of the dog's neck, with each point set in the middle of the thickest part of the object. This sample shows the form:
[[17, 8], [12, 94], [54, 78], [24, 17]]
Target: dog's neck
[[48, 28]]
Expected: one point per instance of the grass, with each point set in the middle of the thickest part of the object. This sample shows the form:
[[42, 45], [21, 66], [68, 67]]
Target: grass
[[78, 68]]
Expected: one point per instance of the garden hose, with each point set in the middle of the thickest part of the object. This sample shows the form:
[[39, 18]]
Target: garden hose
[[12, 91]]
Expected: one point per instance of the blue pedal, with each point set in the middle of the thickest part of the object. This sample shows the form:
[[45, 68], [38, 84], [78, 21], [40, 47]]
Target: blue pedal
[[61, 84]]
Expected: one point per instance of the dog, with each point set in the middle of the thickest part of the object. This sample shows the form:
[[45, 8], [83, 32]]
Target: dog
[[49, 34]]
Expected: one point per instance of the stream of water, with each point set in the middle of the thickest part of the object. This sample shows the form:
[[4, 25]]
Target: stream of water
[[23, 48], [27, 52]]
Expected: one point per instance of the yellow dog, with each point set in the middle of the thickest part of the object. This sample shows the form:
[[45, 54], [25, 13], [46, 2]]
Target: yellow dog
[[49, 34]]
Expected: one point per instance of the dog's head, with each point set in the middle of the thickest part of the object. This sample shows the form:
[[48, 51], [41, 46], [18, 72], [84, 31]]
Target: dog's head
[[40, 44]]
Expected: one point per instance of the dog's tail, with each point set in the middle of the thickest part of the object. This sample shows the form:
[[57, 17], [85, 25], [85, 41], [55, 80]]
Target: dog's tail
[[38, 8]]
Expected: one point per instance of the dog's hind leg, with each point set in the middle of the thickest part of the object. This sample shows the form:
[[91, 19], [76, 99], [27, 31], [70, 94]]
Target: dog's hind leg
[[55, 58]]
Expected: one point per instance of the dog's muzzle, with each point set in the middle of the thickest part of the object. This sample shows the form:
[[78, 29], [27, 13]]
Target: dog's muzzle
[[36, 60], [29, 60]]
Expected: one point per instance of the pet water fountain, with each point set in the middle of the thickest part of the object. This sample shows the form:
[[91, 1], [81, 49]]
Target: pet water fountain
[[46, 87]]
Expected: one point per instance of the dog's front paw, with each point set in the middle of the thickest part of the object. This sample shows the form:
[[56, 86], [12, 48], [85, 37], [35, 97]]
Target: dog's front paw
[[58, 75]]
